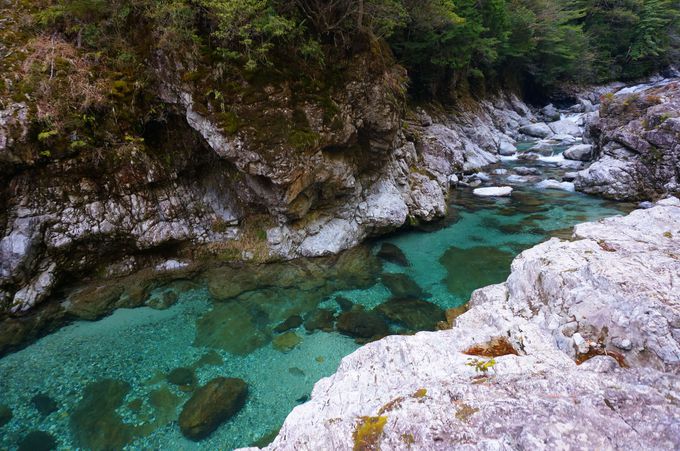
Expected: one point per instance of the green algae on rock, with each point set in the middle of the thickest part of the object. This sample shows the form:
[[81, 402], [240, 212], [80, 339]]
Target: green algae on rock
[[211, 405]]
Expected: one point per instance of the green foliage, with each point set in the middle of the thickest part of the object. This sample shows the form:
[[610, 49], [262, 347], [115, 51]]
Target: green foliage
[[481, 365]]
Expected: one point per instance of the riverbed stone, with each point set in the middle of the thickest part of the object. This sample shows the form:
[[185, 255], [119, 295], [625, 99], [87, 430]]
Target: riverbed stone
[[211, 405], [469, 268], [402, 286], [362, 324], [38, 441], [391, 253], [286, 342], [5, 415], [292, 322], [182, 376], [233, 327], [320, 319], [413, 314], [95, 422], [44, 404]]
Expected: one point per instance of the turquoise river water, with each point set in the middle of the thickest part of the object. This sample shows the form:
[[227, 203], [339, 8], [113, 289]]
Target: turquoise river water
[[105, 384]]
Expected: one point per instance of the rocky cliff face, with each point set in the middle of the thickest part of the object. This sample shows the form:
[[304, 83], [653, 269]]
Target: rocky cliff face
[[258, 170], [579, 348], [637, 138]]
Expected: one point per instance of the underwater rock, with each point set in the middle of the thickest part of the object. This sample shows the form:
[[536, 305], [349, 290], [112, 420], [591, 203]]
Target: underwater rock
[[44, 404], [414, 314], [360, 323], [164, 300], [182, 376], [94, 422], [402, 286], [233, 327], [292, 322], [5, 415], [209, 358], [391, 253], [344, 303], [212, 405], [38, 441], [320, 319], [286, 342], [471, 268]]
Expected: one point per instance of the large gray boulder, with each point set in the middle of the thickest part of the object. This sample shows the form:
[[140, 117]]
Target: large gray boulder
[[607, 300], [537, 130], [565, 127], [579, 152]]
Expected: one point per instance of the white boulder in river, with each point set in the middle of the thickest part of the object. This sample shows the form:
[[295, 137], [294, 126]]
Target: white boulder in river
[[609, 299], [493, 191]]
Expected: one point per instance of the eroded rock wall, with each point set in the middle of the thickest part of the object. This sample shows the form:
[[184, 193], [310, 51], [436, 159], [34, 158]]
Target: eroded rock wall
[[271, 171]]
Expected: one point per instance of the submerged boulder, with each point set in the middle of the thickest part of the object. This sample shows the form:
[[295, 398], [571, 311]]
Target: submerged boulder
[[360, 323], [292, 322], [402, 286], [286, 342], [38, 441], [182, 377], [212, 405], [391, 253], [5, 415], [320, 319], [413, 314]]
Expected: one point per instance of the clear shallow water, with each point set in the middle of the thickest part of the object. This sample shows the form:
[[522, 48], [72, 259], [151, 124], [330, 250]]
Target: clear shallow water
[[132, 351]]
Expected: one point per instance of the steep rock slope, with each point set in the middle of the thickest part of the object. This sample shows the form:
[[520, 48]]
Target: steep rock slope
[[608, 299], [637, 135]]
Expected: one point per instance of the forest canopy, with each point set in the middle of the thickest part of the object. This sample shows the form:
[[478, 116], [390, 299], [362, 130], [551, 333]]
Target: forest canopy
[[440, 42]]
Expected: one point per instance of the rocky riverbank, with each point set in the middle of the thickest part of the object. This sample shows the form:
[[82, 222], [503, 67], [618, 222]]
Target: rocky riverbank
[[578, 349], [194, 191], [636, 144]]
